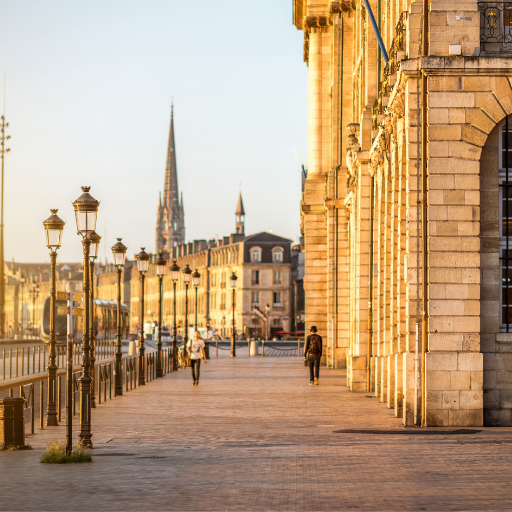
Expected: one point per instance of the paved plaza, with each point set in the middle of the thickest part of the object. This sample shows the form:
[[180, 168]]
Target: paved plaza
[[255, 436]]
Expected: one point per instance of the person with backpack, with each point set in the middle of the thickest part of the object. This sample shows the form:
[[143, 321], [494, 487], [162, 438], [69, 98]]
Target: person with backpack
[[313, 353]]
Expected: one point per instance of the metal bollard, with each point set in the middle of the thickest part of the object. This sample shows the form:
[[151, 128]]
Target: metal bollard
[[217, 347], [298, 341], [32, 408], [41, 405], [59, 393]]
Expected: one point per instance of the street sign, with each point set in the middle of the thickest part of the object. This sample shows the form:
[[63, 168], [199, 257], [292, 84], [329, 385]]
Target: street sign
[[64, 310], [65, 296]]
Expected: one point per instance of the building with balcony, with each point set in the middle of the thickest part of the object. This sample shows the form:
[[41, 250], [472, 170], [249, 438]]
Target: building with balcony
[[262, 265]]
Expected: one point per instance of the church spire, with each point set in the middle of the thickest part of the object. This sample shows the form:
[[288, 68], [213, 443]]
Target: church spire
[[171, 196], [170, 225], [240, 215]]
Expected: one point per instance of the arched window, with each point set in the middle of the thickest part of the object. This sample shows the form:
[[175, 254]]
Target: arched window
[[277, 254], [255, 254]]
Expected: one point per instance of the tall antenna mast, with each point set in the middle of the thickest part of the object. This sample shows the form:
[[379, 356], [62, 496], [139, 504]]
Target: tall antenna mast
[[3, 150]]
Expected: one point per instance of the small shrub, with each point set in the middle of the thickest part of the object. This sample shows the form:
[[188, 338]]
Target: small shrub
[[56, 454], [14, 448]]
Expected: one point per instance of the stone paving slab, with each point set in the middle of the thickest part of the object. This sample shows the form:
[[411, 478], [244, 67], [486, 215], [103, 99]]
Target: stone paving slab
[[254, 436]]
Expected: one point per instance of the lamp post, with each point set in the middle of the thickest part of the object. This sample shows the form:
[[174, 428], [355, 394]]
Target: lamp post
[[53, 226], [161, 269], [86, 213], [119, 252], [175, 274], [187, 274], [233, 286], [93, 254], [34, 294], [267, 311], [196, 279], [3, 151], [142, 267]]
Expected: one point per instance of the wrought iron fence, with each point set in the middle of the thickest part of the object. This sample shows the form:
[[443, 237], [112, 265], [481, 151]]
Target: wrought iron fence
[[104, 379], [29, 402], [495, 26], [22, 361]]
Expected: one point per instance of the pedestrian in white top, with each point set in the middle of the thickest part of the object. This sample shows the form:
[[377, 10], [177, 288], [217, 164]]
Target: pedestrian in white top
[[195, 350]]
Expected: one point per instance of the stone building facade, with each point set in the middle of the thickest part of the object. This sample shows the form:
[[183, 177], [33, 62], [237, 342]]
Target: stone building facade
[[406, 200], [263, 268]]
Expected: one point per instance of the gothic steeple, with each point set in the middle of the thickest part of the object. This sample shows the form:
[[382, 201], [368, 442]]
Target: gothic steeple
[[240, 216], [170, 225]]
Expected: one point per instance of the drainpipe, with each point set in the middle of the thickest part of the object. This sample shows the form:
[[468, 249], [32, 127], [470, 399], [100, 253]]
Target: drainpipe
[[424, 235], [416, 365], [370, 288]]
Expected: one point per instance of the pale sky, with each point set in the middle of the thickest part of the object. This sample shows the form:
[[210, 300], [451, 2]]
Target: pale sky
[[89, 86]]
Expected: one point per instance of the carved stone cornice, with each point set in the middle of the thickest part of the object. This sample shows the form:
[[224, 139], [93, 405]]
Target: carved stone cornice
[[315, 23], [342, 7]]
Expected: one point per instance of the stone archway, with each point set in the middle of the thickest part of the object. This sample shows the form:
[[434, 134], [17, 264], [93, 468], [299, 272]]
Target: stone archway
[[495, 313]]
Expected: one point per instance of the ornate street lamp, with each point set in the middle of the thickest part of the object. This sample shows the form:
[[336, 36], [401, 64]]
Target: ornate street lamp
[[142, 267], [93, 254], [119, 252], [196, 279], [175, 274], [233, 286], [53, 226], [187, 274], [86, 213], [161, 270]]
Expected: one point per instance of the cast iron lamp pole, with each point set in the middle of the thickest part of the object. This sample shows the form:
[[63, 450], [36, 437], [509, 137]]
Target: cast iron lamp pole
[[34, 294], [175, 274], [86, 213], [53, 226], [3, 151], [119, 252], [161, 269], [142, 267], [267, 311], [196, 278], [93, 254], [187, 273], [233, 341]]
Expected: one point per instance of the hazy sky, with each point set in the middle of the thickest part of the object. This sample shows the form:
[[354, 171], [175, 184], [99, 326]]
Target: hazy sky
[[88, 94]]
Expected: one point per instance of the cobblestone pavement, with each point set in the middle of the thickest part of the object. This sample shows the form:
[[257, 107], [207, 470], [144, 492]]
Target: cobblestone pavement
[[255, 436]]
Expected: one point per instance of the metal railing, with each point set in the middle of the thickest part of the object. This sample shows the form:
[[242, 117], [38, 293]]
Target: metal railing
[[29, 402], [105, 375], [104, 382], [495, 26], [19, 362]]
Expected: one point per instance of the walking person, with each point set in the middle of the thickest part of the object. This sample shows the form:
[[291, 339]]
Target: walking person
[[195, 350], [313, 353]]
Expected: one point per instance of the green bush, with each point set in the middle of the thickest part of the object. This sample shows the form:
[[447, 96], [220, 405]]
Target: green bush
[[56, 454]]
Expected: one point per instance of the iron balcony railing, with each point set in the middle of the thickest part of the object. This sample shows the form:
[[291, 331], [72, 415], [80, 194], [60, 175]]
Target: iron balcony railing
[[495, 26]]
